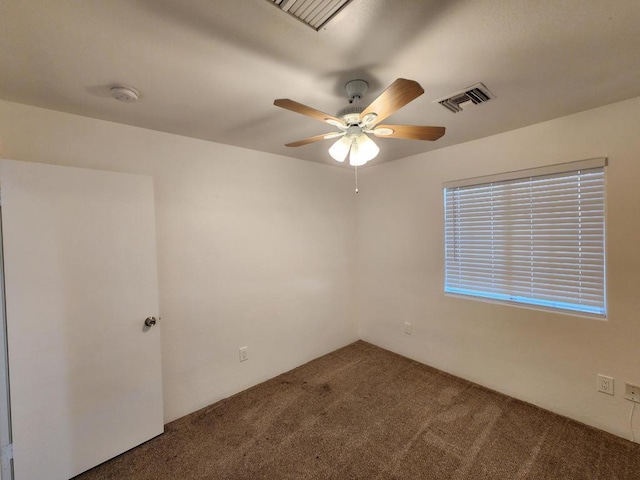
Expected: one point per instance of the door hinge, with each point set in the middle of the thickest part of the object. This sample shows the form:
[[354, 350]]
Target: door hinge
[[6, 454]]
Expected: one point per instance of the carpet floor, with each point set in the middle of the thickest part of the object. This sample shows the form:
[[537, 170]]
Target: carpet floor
[[362, 412]]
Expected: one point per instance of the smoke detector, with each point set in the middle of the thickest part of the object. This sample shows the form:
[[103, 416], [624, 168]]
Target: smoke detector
[[124, 94]]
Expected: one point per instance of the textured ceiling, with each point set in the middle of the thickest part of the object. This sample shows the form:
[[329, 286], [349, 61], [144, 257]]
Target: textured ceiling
[[211, 69]]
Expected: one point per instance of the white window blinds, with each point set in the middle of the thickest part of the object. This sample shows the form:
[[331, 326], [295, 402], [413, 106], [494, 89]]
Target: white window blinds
[[537, 239]]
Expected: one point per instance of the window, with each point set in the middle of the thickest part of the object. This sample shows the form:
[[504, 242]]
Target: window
[[534, 237]]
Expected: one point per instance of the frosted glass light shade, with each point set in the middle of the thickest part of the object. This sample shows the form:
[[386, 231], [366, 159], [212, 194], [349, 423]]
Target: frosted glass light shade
[[340, 149], [355, 159], [363, 149]]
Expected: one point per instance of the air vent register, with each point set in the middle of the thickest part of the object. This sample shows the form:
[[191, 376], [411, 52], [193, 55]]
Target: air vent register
[[314, 13], [473, 95]]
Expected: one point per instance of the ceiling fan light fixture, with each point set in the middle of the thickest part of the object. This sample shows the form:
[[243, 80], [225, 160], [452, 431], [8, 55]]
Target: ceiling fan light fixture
[[340, 149], [363, 149]]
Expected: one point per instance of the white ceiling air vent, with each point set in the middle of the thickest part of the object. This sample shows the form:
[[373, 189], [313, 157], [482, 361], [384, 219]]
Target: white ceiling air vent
[[315, 13], [474, 95]]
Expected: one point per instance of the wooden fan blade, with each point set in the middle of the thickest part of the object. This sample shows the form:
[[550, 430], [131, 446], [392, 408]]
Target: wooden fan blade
[[305, 110], [396, 96], [411, 132], [317, 138]]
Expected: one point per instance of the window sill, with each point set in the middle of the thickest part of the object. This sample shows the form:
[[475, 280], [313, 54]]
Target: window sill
[[591, 316]]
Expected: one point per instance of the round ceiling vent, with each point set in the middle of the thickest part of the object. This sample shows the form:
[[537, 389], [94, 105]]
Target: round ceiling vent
[[124, 94]]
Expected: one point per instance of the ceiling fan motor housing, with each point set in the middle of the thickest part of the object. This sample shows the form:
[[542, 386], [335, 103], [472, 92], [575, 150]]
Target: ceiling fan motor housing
[[350, 114]]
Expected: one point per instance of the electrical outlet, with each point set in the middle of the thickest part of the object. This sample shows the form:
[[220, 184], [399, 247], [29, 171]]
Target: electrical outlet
[[605, 384], [407, 328], [632, 392], [243, 354]]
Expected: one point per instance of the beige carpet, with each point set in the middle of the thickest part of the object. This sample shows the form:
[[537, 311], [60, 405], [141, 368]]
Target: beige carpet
[[365, 413]]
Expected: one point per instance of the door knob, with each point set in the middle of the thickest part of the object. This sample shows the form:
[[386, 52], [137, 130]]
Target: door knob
[[150, 321]]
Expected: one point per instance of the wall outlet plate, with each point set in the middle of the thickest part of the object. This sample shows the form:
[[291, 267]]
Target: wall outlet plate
[[407, 328], [632, 392], [605, 384]]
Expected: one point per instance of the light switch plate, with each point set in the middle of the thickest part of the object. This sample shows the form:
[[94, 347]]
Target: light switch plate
[[244, 355]]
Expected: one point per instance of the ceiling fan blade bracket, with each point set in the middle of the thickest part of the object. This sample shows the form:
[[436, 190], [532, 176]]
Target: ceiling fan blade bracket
[[330, 135], [369, 119], [382, 131], [409, 132], [338, 124]]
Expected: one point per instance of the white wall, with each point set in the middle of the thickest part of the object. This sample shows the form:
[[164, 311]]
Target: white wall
[[256, 249], [544, 358], [253, 249]]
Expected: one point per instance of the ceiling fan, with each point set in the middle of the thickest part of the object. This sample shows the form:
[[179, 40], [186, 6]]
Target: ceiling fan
[[354, 122]]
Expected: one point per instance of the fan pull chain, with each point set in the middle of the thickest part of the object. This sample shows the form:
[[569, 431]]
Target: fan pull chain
[[356, 169]]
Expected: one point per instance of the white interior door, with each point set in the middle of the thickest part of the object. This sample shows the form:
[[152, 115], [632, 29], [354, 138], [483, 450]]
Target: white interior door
[[81, 277]]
